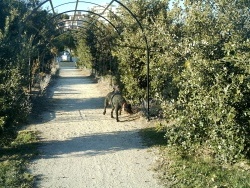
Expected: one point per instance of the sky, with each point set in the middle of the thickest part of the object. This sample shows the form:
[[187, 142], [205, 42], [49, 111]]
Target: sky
[[70, 5]]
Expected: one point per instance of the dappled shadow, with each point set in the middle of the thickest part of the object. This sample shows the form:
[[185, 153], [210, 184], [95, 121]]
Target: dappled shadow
[[21, 151], [81, 79], [61, 97], [67, 109], [93, 144], [153, 137], [70, 104], [62, 91]]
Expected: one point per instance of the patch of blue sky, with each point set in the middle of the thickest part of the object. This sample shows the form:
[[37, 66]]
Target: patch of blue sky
[[69, 6]]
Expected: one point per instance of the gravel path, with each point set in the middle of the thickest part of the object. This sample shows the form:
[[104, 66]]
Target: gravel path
[[83, 148]]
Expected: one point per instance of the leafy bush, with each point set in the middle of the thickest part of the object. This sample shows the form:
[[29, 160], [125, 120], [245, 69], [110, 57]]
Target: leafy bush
[[11, 176], [213, 108], [13, 101], [176, 171], [21, 48], [84, 55], [13, 160], [199, 69]]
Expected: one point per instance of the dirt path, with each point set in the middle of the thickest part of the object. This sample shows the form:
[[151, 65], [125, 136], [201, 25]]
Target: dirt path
[[83, 148]]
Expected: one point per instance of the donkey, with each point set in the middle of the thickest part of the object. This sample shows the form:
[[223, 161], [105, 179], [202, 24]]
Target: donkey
[[118, 103]]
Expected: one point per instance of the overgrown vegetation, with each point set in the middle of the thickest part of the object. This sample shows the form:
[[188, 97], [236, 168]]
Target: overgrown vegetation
[[14, 160], [199, 73], [26, 53], [199, 69], [201, 170]]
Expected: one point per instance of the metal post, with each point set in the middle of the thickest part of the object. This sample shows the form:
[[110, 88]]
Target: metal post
[[148, 85], [147, 53], [29, 76]]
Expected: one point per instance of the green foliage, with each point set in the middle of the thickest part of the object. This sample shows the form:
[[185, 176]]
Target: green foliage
[[86, 48], [23, 45], [197, 172], [94, 46], [12, 101], [67, 40], [131, 48], [13, 161], [9, 176], [212, 109], [200, 170], [199, 69], [84, 55], [153, 137]]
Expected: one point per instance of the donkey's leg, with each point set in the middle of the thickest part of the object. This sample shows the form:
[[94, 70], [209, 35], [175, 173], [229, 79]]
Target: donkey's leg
[[116, 113], [112, 112], [105, 106]]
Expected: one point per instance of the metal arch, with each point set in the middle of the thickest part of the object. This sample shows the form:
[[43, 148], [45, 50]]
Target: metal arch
[[88, 12], [87, 3], [85, 21], [105, 26], [76, 8], [81, 27], [91, 12], [38, 30], [138, 22], [82, 20], [53, 9], [99, 42], [102, 31], [74, 2], [52, 6]]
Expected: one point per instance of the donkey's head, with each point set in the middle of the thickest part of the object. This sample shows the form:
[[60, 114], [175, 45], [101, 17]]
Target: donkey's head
[[127, 108]]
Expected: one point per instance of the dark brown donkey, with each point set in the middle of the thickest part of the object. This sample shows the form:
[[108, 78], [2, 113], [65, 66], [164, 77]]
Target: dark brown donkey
[[118, 103]]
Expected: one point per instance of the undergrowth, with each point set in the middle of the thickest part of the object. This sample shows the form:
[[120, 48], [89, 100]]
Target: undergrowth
[[14, 159], [181, 171]]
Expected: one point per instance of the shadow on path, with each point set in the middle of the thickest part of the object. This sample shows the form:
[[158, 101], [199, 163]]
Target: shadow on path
[[93, 144], [60, 96]]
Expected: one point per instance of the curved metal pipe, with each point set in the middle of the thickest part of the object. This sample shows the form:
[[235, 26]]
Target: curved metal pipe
[[91, 12]]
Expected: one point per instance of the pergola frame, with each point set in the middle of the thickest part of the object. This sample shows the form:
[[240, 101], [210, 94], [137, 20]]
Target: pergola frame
[[100, 15]]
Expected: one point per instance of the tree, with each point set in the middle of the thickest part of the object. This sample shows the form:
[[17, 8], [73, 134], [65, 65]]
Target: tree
[[211, 109], [21, 44], [95, 44], [199, 69], [131, 48]]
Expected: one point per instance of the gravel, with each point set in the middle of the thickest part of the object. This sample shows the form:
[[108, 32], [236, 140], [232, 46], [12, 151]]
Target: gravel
[[80, 147]]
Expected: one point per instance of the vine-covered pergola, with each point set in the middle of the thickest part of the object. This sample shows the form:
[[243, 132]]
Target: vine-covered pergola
[[52, 8]]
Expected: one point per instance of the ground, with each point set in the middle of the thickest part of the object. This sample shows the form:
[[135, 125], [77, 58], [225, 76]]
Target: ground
[[81, 147]]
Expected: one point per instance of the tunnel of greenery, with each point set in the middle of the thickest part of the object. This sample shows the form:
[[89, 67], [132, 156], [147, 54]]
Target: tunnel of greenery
[[199, 64]]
